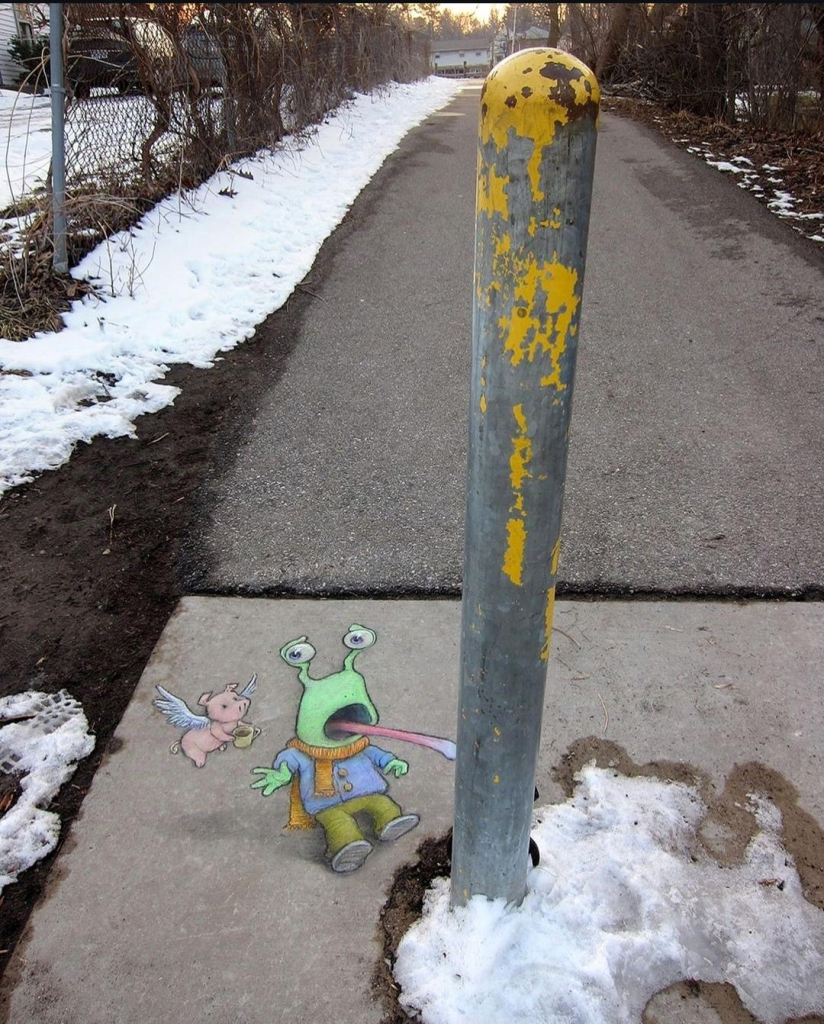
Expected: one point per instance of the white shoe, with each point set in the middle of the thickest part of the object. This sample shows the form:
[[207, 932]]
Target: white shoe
[[398, 827], [352, 856]]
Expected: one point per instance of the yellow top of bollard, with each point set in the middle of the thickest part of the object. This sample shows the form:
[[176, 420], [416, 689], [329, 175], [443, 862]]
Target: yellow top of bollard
[[533, 92]]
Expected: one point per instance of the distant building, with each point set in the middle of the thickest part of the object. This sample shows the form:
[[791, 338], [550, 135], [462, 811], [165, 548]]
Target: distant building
[[461, 58], [25, 21], [535, 35], [501, 45]]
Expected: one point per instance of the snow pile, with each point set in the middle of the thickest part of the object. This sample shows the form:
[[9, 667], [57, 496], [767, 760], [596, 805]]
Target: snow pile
[[626, 902], [193, 279], [44, 749]]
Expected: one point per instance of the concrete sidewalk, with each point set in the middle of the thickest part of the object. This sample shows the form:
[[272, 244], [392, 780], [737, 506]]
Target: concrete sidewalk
[[695, 460], [180, 896]]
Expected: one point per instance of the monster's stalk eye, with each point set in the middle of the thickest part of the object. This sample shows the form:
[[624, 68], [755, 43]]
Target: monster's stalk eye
[[358, 638], [298, 653]]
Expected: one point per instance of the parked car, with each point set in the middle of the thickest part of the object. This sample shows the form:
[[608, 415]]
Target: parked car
[[204, 57], [107, 55], [98, 57]]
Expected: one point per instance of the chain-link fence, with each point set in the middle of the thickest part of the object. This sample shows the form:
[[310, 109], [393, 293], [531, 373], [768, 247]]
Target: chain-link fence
[[160, 95]]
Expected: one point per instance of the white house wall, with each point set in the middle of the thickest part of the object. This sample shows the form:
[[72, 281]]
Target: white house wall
[[9, 71], [454, 60], [37, 15]]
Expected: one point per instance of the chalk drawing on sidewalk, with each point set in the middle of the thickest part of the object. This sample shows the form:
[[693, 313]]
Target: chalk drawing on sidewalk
[[333, 770], [221, 725]]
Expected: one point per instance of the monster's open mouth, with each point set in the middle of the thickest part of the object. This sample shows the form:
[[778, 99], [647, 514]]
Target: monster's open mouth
[[352, 713]]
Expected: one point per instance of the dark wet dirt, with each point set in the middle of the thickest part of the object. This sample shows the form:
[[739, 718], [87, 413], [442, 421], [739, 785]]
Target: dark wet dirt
[[84, 599]]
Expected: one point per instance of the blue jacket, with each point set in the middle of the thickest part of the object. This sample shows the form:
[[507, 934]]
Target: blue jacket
[[352, 777]]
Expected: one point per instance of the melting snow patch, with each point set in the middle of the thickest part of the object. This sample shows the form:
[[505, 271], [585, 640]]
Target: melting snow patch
[[782, 203], [725, 165], [193, 279], [626, 903], [43, 749]]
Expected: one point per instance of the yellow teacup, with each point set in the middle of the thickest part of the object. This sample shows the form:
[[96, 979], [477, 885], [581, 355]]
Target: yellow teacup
[[244, 734]]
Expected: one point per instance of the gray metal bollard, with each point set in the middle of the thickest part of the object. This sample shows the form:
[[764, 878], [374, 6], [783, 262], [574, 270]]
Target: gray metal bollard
[[58, 107], [536, 159]]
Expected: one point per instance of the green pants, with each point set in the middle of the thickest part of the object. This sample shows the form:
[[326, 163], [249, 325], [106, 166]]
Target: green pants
[[340, 825]]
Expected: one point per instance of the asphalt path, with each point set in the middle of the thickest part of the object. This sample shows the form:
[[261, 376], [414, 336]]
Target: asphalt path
[[696, 461]]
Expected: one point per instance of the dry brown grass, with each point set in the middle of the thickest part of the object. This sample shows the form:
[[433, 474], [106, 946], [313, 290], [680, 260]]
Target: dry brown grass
[[32, 295]]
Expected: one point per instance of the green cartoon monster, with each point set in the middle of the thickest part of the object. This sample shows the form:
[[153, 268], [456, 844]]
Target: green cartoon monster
[[334, 771]]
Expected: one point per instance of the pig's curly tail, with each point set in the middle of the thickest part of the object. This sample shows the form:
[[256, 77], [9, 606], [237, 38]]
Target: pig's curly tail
[[175, 747]]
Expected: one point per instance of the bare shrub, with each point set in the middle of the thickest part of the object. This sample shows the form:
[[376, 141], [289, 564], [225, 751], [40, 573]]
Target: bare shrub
[[761, 63], [161, 95]]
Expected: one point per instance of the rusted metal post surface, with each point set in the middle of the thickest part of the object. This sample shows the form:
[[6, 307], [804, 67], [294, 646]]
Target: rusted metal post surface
[[535, 165]]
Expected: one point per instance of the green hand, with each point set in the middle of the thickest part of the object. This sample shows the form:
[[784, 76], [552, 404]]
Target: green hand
[[271, 779], [397, 767]]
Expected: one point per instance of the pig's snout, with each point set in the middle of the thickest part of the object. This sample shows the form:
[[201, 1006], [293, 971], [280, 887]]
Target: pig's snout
[[223, 710], [239, 711]]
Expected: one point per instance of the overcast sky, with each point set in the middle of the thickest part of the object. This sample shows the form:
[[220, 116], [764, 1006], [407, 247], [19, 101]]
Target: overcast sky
[[481, 11]]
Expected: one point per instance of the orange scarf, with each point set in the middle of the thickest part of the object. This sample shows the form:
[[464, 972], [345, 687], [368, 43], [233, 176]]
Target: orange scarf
[[324, 758]]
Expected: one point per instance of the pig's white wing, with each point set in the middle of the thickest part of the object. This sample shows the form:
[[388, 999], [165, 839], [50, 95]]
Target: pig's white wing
[[250, 687], [178, 712]]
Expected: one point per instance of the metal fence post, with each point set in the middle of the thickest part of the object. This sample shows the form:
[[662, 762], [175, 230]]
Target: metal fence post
[[536, 158], [58, 107]]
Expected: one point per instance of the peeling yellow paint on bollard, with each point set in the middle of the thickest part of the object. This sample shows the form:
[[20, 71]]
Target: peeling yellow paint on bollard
[[514, 554], [545, 300], [492, 195], [553, 223], [521, 452], [556, 557], [550, 601], [502, 247], [550, 613], [518, 472]]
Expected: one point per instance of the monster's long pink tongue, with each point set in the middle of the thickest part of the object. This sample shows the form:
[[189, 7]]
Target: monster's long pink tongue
[[445, 747]]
